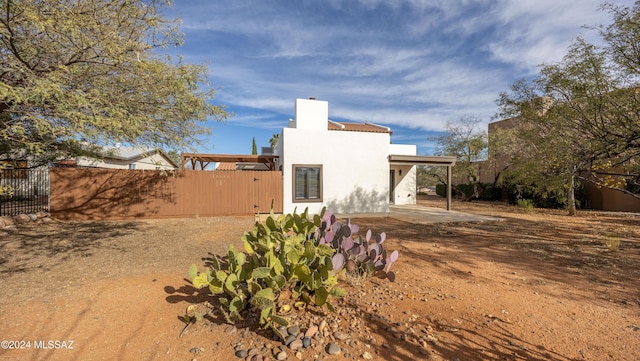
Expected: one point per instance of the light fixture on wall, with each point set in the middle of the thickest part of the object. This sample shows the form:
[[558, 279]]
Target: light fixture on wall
[[400, 172]]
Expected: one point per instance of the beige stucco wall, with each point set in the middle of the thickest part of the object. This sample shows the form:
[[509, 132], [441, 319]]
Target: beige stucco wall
[[404, 190], [154, 161]]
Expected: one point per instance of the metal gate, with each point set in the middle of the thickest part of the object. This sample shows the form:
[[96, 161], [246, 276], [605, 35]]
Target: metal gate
[[24, 191]]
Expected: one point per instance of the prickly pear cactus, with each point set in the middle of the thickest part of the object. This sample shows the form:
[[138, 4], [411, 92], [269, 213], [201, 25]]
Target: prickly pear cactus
[[357, 255], [282, 253], [291, 261]]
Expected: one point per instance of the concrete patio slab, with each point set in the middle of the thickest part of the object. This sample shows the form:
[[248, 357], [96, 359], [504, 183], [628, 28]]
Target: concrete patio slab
[[424, 215]]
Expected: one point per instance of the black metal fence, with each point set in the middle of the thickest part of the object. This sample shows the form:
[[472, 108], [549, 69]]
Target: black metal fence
[[24, 191]]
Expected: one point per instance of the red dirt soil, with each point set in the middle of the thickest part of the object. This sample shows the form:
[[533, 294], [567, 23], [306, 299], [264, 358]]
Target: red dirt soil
[[538, 285]]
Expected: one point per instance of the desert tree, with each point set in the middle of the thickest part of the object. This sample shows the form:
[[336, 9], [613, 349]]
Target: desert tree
[[465, 139], [76, 74], [427, 176], [580, 118]]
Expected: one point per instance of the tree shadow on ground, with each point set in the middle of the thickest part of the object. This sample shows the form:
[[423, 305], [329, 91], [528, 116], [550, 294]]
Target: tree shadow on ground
[[40, 246], [502, 344], [548, 251], [421, 337], [208, 305]]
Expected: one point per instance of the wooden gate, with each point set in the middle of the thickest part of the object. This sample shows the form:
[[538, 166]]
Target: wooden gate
[[98, 193]]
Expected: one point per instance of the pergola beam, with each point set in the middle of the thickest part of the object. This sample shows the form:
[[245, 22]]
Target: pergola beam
[[205, 159], [427, 160]]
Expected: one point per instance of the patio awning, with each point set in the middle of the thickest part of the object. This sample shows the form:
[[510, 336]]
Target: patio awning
[[398, 159], [201, 161], [421, 160]]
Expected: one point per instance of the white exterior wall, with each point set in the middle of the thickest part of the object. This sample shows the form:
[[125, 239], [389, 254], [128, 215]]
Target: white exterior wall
[[404, 191], [402, 149], [355, 169], [154, 161], [405, 188], [355, 165]]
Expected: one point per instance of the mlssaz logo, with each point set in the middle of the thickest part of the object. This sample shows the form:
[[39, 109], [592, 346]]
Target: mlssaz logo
[[53, 345]]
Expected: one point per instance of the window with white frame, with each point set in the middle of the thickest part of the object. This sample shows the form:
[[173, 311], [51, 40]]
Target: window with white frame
[[307, 183]]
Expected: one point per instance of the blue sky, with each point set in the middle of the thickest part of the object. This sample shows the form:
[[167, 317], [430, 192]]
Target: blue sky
[[411, 65]]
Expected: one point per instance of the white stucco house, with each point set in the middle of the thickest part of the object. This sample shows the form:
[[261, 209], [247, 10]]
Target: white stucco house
[[347, 167], [121, 157]]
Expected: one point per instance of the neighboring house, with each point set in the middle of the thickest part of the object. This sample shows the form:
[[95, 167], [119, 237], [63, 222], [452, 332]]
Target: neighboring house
[[347, 167], [491, 171], [129, 158]]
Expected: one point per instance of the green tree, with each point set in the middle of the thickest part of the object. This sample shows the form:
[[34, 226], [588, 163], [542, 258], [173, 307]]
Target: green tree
[[578, 118], [425, 177], [94, 72], [175, 157], [254, 147], [464, 139], [542, 163], [274, 140]]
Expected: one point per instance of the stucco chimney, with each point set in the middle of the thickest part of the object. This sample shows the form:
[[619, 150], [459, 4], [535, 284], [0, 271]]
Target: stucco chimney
[[312, 114]]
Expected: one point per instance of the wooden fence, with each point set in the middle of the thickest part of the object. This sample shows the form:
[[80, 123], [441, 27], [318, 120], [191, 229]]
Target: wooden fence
[[97, 193]]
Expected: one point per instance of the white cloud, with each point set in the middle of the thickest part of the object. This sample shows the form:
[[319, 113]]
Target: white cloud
[[410, 63], [539, 31]]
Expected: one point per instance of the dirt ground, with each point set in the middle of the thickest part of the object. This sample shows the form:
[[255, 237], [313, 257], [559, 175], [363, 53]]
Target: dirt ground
[[538, 285]]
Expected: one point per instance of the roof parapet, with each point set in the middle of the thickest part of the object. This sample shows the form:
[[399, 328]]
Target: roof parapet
[[379, 126], [339, 125]]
